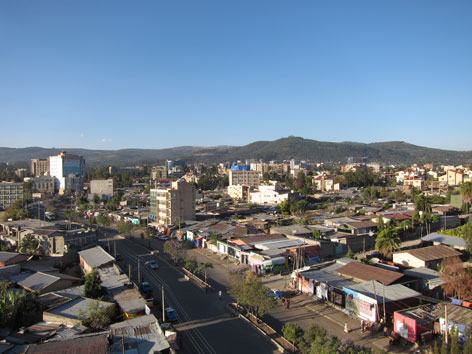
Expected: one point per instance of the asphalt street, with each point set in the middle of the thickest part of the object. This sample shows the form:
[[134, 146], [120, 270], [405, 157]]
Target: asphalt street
[[206, 325]]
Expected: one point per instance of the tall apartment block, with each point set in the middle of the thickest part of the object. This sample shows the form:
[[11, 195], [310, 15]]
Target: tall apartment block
[[39, 167], [68, 171], [172, 204], [10, 193]]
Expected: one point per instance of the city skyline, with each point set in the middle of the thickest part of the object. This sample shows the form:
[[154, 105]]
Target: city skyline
[[153, 75]]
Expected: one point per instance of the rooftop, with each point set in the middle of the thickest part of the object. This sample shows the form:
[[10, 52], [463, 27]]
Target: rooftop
[[373, 289], [365, 272], [96, 257], [432, 253], [445, 239]]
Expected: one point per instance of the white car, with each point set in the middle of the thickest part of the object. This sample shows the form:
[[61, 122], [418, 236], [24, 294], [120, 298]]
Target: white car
[[153, 264]]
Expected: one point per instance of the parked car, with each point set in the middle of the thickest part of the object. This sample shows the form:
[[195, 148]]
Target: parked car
[[152, 264], [146, 287], [276, 293], [171, 315]]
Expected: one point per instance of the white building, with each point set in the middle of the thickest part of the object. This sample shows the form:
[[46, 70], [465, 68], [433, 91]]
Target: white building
[[271, 195], [68, 171]]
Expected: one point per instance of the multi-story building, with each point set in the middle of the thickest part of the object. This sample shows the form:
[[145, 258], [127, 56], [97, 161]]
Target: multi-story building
[[39, 167], [250, 178], [102, 187], [10, 193], [172, 204], [159, 172], [68, 171], [44, 184]]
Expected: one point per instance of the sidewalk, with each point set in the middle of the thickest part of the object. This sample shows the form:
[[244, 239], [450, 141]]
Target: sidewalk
[[305, 311]]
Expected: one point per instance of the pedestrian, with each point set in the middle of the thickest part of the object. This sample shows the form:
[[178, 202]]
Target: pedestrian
[[283, 301], [288, 303], [346, 328], [219, 294], [362, 326]]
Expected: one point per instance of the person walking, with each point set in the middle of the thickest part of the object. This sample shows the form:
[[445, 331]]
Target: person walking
[[219, 294], [288, 303]]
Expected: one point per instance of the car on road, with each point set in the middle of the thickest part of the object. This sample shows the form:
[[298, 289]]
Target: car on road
[[276, 293], [152, 264], [171, 315], [146, 287]]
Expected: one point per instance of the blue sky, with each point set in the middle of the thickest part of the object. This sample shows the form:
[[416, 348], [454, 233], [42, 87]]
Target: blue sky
[[156, 74]]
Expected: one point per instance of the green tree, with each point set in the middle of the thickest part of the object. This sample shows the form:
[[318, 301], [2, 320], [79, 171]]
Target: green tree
[[316, 233], [466, 192], [250, 293], [17, 307], [16, 211], [349, 253], [93, 285], [29, 244], [103, 220], [124, 227], [190, 264], [98, 316], [292, 332], [95, 199], [284, 206], [203, 268], [455, 349], [387, 241]]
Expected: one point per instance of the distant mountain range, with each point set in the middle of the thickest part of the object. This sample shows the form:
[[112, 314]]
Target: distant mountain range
[[394, 152]]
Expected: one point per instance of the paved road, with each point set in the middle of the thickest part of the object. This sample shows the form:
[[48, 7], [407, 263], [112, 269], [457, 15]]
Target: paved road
[[207, 326]]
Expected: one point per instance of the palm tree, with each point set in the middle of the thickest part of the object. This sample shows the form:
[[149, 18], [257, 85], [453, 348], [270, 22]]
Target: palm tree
[[387, 241], [466, 192]]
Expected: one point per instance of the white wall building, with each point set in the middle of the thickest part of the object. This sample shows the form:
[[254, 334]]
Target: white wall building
[[68, 171]]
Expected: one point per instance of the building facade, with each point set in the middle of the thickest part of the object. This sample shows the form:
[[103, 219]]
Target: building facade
[[102, 187], [68, 171], [10, 193], [250, 178], [44, 184], [39, 167], [170, 205]]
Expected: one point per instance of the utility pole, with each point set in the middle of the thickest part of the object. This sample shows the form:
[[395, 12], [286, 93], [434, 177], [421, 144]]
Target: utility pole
[[114, 248], [163, 306], [385, 314], [139, 270], [129, 271]]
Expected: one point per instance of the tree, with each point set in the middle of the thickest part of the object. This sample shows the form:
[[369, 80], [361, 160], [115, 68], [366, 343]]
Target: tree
[[284, 206], [93, 285], [457, 281], [203, 268], [292, 332], [18, 308], [190, 264], [98, 316], [103, 220], [29, 244], [349, 253], [16, 211], [175, 250], [466, 192], [250, 293], [316, 233], [95, 199], [124, 227], [387, 241]]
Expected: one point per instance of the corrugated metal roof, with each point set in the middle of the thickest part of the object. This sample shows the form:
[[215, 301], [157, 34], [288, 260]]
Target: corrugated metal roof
[[96, 257], [365, 272], [432, 253], [456, 314], [396, 292], [445, 239], [6, 256], [92, 344], [39, 281]]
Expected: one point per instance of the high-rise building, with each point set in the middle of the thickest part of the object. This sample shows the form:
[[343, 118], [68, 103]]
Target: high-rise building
[[173, 204], [68, 171], [39, 167], [10, 193]]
